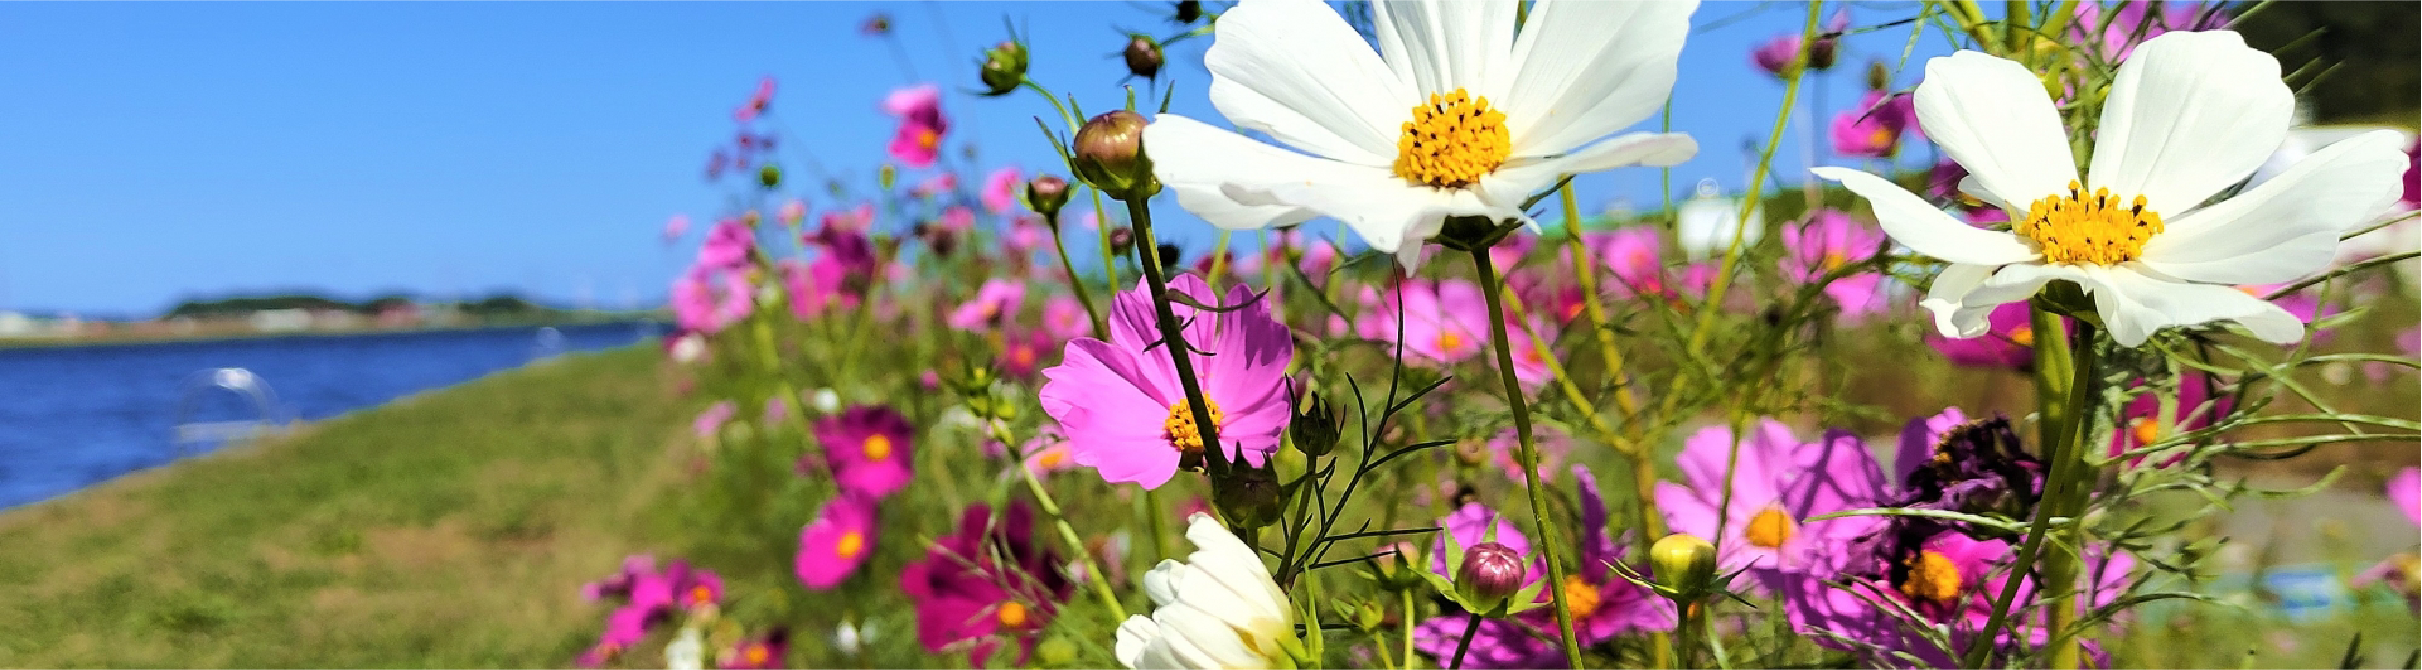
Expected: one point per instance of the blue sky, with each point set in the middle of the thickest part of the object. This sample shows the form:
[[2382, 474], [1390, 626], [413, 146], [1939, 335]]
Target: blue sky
[[153, 152]]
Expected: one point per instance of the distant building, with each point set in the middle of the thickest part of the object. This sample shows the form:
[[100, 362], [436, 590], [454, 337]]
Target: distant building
[[13, 324], [281, 320]]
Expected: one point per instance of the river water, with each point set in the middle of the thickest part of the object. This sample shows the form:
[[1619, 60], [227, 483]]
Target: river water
[[73, 416]]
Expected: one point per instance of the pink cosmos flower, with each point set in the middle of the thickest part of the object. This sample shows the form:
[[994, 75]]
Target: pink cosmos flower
[[919, 140], [854, 220], [958, 219], [652, 597], [2008, 342], [727, 245], [758, 653], [676, 227], [1635, 257], [808, 294], [995, 300], [2132, 25], [868, 448], [1022, 354], [1048, 452], [1777, 485], [2305, 305], [701, 306], [833, 546], [1026, 234], [1121, 404], [1873, 128], [2405, 489], [793, 211], [1827, 242], [1001, 190], [2140, 419], [986, 582], [1779, 55], [1603, 604], [1442, 322], [711, 421], [1947, 580], [936, 185], [1065, 319], [757, 102]]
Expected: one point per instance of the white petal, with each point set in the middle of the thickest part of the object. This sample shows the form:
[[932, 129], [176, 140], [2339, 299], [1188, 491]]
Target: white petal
[[1966, 316], [1952, 316], [1136, 638], [1214, 173], [2133, 305], [1161, 582], [1585, 69], [1992, 116], [1204, 640], [1522, 178], [1388, 214], [2286, 227], [1924, 229], [1443, 46], [1295, 70], [2190, 114]]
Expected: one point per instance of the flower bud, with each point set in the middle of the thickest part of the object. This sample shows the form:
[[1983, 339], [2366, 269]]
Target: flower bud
[[1169, 254], [1046, 194], [1490, 573], [1399, 566], [1471, 452], [1879, 77], [769, 176], [1004, 68], [1685, 565], [1828, 45], [1110, 156], [1122, 238], [1143, 56], [1250, 498], [1189, 11], [1315, 429], [887, 176]]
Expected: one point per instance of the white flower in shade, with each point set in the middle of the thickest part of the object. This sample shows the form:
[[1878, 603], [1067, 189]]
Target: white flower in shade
[[1218, 609], [2190, 115], [687, 651], [1456, 114]]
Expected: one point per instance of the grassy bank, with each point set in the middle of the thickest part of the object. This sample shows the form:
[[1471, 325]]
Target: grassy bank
[[448, 530]]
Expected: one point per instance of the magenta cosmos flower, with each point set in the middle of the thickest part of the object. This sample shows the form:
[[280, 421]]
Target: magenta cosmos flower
[[2134, 23], [1000, 194], [1121, 405], [758, 652], [1829, 241], [2405, 489], [1603, 604], [1777, 485], [1441, 322], [2140, 420], [996, 299], [1943, 580], [988, 582], [652, 597], [1873, 129], [868, 448], [833, 546], [919, 139]]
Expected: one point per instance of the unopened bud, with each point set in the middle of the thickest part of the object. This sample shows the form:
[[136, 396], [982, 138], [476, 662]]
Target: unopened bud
[[1490, 573], [1169, 255], [1143, 56], [1822, 52], [1110, 156], [1004, 68], [1315, 429], [1249, 497], [1189, 11], [1122, 238], [1879, 77], [1399, 566], [769, 176], [1685, 565], [887, 176], [1471, 452], [1046, 194]]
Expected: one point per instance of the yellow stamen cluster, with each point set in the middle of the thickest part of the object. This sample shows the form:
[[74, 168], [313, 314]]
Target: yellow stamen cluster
[[877, 447], [1770, 528], [2089, 229], [757, 655], [850, 545], [1183, 434], [1012, 614], [1449, 343], [2022, 336], [1580, 597], [1453, 141], [1933, 577]]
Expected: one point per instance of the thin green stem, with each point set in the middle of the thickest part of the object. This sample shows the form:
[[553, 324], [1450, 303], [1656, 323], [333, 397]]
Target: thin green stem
[[1093, 314], [1139, 214], [1465, 644], [1749, 202], [2059, 398], [1545, 540], [1405, 621], [1051, 508]]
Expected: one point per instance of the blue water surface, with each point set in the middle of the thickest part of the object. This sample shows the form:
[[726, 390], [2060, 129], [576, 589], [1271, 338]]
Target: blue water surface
[[73, 416]]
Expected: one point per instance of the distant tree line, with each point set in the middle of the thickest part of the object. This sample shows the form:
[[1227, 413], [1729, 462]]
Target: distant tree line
[[497, 304], [2361, 61]]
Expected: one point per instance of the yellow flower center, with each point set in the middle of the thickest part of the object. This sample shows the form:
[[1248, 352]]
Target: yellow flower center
[[1449, 343], [2089, 229], [1184, 435], [2023, 336], [1580, 598], [1834, 260], [928, 138], [877, 447], [1885, 140], [850, 545], [1022, 356], [700, 595], [1012, 614], [2144, 430], [1052, 458], [1770, 528], [1453, 141], [757, 655], [1932, 577]]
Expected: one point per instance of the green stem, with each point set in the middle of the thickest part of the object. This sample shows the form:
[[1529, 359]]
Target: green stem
[[2060, 398], [1147, 253], [1093, 314], [2066, 562], [1749, 202], [1405, 598], [1490, 286], [1465, 644], [1051, 508]]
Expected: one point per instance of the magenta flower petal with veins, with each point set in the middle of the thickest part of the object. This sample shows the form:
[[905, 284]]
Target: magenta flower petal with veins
[[1123, 408], [1777, 483]]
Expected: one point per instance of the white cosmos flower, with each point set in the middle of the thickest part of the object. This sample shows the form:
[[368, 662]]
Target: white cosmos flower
[[1218, 609], [687, 651], [2189, 115], [1498, 116]]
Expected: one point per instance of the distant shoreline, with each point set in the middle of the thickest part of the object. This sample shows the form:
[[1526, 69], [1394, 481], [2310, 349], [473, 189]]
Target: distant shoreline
[[131, 340]]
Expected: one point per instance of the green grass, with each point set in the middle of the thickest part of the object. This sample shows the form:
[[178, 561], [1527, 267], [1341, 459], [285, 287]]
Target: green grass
[[451, 529]]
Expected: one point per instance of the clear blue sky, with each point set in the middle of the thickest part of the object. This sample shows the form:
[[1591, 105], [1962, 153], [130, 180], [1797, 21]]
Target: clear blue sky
[[151, 152]]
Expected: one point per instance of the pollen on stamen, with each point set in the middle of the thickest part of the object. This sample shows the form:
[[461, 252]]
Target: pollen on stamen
[[2081, 228], [1452, 141]]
